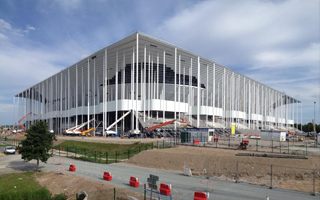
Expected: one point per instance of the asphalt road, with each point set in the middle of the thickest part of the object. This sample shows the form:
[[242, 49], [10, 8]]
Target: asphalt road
[[183, 186]]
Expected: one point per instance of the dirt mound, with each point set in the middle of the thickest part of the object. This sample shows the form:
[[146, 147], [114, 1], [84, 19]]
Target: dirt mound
[[70, 184], [287, 173]]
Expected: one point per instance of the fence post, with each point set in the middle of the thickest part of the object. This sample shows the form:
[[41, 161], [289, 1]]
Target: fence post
[[67, 151], [128, 154], [314, 183], [144, 192], [114, 193], [280, 146], [75, 152], [306, 149], [237, 172], [270, 177], [107, 157], [116, 156]]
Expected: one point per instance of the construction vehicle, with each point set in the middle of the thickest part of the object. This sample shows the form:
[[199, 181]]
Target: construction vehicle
[[87, 132], [244, 144], [21, 119], [154, 127], [76, 130], [109, 132]]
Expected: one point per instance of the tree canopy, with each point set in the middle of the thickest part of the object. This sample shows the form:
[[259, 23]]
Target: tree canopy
[[38, 142], [308, 127]]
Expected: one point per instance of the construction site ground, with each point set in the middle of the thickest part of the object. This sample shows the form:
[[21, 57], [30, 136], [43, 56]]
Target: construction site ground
[[70, 184], [296, 174]]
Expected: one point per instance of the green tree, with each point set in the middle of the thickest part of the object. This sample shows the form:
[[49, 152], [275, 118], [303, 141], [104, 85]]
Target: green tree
[[38, 142]]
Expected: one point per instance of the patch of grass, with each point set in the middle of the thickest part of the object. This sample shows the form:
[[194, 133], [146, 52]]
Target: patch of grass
[[101, 152], [18, 182], [22, 186], [101, 147]]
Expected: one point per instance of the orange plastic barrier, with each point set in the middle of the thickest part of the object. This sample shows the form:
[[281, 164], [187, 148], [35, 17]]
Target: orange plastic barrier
[[72, 168], [134, 181], [107, 176], [165, 189], [201, 196], [196, 141]]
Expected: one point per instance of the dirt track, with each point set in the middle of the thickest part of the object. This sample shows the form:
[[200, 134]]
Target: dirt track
[[71, 184], [287, 173]]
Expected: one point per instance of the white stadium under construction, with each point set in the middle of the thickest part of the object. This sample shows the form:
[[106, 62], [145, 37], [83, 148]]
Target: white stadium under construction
[[141, 83]]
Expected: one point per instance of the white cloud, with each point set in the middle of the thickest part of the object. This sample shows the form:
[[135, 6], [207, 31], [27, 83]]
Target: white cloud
[[275, 42], [4, 25], [68, 5], [23, 64], [7, 30], [29, 28], [308, 57]]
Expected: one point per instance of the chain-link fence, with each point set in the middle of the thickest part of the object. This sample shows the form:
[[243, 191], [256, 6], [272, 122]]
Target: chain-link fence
[[308, 147], [269, 175], [108, 157]]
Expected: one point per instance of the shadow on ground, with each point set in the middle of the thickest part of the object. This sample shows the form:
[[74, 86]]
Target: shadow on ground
[[21, 165]]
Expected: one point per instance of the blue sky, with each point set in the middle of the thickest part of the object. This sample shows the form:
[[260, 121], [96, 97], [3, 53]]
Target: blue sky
[[275, 42]]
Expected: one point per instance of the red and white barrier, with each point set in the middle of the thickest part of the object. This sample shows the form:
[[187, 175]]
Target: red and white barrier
[[107, 176], [72, 168], [165, 189], [134, 182], [201, 196]]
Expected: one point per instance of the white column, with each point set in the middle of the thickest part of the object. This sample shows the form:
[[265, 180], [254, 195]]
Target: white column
[[224, 96], [198, 97], [60, 115], [164, 84], [116, 85], [137, 77], [175, 89], [76, 105], [190, 93], [105, 80], [214, 93], [132, 89], [249, 106], [179, 88], [82, 94], [144, 77], [149, 83], [207, 94], [69, 106], [88, 103], [94, 94], [158, 82]]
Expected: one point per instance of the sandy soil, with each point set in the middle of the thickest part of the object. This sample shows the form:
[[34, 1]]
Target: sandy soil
[[287, 173], [69, 184]]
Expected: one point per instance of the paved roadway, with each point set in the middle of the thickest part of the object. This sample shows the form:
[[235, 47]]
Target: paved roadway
[[183, 187]]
